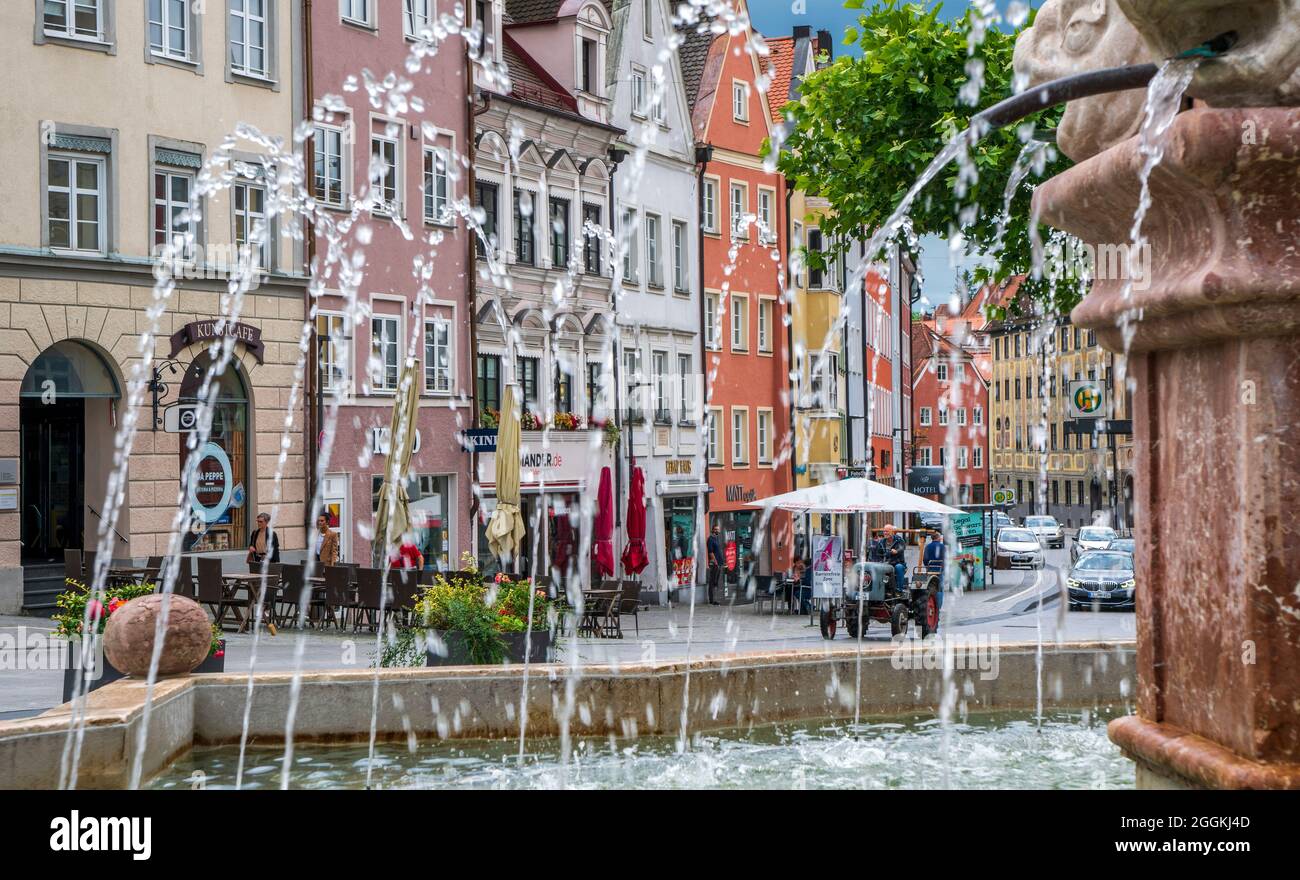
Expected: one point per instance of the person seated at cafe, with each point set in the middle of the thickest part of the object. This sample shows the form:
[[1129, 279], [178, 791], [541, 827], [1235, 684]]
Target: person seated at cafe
[[263, 541], [408, 556], [934, 553], [327, 542]]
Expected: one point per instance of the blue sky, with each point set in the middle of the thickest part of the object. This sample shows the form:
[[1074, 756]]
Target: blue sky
[[778, 17]]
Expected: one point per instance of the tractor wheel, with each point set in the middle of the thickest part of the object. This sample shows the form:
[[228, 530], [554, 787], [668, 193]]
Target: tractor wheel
[[851, 625], [829, 623], [898, 620], [929, 621]]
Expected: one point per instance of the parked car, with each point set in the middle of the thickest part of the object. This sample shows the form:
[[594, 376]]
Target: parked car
[[1102, 579], [1123, 545], [1091, 538], [1018, 548], [1047, 529], [1001, 521]]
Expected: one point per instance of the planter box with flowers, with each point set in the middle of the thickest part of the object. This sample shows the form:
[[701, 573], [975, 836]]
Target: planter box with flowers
[[464, 620], [79, 613]]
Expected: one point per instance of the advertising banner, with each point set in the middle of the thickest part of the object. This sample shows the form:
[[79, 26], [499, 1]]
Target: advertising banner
[[968, 530], [828, 566]]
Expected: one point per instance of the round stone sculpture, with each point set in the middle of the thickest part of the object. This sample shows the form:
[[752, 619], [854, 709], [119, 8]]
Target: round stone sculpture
[[129, 636]]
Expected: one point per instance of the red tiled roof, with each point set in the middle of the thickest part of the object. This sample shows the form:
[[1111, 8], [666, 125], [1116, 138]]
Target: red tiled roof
[[781, 58]]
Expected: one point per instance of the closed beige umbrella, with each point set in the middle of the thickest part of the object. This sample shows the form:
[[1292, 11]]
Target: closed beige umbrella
[[394, 517], [506, 528]]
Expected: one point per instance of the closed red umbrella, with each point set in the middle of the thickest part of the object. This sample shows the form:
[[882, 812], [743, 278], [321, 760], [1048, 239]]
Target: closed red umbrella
[[634, 555], [602, 544]]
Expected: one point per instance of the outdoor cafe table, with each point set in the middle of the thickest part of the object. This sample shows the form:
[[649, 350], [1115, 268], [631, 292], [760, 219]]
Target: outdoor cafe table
[[595, 604], [233, 583], [124, 573]]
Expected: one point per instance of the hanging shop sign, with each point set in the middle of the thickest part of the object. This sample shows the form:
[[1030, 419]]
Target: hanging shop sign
[[927, 481], [211, 486], [828, 566], [1087, 399], [206, 331], [181, 418]]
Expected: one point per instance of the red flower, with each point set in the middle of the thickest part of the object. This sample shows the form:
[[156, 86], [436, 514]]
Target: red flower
[[219, 654], [94, 609]]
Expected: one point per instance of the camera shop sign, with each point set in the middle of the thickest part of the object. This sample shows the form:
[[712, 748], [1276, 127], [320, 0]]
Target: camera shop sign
[[206, 331]]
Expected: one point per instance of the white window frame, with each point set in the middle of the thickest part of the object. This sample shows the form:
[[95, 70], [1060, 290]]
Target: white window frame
[[739, 324], [382, 206], [977, 457], [663, 410], [320, 147], [764, 422], [766, 215], [639, 93], [433, 157], [686, 400], [823, 384], [348, 9], [926, 417], [631, 256], [335, 372], [740, 101], [653, 237], [261, 259], [740, 436], [709, 204], [961, 416], [170, 206], [380, 347], [963, 458], [681, 257], [739, 228], [70, 31], [72, 190], [443, 378], [943, 417], [166, 26], [647, 20], [923, 456], [766, 314], [417, 16], [240, 35], [712, 324], [715, 426], [941, 372]]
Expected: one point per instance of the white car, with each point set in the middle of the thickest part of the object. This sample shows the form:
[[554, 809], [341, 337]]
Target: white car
[[1091, 538], [1018, 548], [1047, 530]]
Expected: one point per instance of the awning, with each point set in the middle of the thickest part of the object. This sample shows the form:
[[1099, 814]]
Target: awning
[[855, 495]]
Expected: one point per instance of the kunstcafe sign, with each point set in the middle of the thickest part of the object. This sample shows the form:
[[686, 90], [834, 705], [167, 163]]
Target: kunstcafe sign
[[206, 331]]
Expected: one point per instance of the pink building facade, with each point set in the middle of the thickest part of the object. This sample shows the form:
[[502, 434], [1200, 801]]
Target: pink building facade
[[385, 164]]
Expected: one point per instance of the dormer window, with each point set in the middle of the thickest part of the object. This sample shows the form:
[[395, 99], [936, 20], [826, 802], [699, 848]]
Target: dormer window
[[588, 49]]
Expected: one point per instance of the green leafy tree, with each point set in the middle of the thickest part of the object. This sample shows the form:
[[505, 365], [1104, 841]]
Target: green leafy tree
[[865, 128]]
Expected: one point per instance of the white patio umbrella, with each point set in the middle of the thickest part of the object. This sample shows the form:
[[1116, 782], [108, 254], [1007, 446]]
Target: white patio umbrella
[[854, 495]]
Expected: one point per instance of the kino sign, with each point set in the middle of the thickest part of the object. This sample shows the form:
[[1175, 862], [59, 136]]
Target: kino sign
[[1087, 399]]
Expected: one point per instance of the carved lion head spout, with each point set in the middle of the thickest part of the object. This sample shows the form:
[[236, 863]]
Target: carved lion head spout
[[1074, 36], [1263, 67]]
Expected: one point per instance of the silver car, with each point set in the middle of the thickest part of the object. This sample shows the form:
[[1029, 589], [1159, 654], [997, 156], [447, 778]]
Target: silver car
[[1018, 548], [1047, 530], [1091, 538]]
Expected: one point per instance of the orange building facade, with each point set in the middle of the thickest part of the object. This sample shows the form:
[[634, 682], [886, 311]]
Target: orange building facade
[[745, 341]]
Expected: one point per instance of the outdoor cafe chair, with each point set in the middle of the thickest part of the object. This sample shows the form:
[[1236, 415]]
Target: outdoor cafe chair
[[88, 566], [153, 565], [289, 596], [337, 602], [629, 603], [405, 589], [765, 590], [370, 587], [213, 593]]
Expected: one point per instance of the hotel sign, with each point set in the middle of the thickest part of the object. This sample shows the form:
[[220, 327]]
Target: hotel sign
[[206, 331]]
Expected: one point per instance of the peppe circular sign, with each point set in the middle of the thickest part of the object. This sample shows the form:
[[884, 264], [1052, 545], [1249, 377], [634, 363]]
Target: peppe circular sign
[[211, 486]]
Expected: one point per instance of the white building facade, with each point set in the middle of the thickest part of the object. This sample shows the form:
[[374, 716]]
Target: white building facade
[[657, 304]]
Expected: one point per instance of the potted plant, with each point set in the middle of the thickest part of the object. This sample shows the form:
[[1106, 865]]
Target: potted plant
[[76, 606], [216, 659], [462, 619]]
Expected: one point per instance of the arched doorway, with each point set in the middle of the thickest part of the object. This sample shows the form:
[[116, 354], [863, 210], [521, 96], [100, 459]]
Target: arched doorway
[[218, 494], [68, 388]]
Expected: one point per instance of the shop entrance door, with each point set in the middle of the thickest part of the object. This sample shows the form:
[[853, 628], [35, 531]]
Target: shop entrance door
[[53, 478]]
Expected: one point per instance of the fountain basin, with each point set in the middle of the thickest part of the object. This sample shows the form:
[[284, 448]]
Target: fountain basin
[[483, 702]]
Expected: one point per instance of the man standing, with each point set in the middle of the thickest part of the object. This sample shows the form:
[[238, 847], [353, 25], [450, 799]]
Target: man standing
[[327, 542], [716, 562], [263, 541]]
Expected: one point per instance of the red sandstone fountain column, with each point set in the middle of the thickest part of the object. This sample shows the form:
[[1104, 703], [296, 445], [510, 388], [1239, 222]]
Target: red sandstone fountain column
[[1215, 356]]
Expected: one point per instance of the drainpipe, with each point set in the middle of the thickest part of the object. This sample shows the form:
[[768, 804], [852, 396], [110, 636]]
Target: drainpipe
[[789, 337], [703, 155], [471, 285], [312, 400]]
